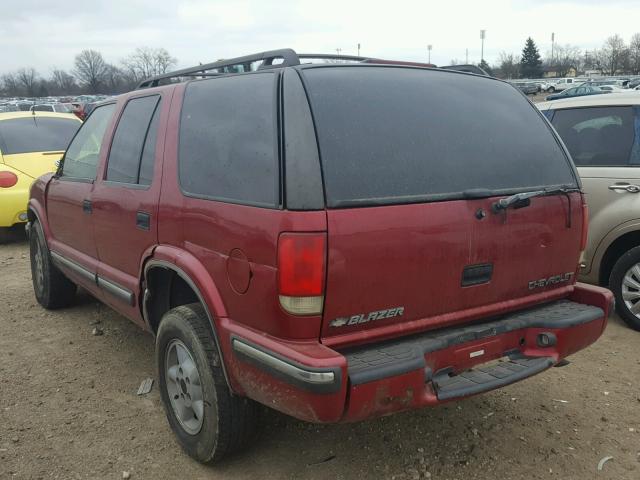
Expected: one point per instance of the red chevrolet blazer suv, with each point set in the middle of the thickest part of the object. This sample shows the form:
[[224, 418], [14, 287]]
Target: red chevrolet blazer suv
[[335, 241]]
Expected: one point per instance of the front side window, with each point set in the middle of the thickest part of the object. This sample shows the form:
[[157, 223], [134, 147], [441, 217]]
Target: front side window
[[81, 159], [228, 148], [599, 135], [126, 152]]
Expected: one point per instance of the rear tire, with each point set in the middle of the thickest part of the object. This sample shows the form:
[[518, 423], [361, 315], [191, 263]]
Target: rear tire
[[551, 90], [207, 419], [52, 289], [624, 282]]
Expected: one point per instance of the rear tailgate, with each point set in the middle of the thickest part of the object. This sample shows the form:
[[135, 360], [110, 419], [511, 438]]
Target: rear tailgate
[[431, 265], [413, 160]]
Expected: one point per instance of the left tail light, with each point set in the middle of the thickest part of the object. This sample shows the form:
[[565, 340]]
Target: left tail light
[[8, 179], [301, 272]]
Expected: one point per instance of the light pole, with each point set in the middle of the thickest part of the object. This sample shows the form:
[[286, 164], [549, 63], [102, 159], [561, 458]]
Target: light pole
[[482, 35], [358, 49], [553, 38], [466, 56], [338, 50], [429, 47]]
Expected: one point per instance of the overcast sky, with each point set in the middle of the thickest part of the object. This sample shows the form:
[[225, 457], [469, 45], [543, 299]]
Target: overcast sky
[[47, 33]]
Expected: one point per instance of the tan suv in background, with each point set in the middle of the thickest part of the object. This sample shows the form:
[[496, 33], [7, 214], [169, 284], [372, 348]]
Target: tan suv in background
[[602, 133]]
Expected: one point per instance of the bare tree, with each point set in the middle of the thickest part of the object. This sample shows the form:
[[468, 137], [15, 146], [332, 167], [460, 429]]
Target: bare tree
[[9, 85], [28, 79], [62, 82], [509, 65], [634, 54], [91, 69], [613, 55], [565, 57], [147, 62]]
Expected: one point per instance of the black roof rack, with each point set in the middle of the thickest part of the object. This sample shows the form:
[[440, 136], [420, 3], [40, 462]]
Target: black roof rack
[[467, 69], [285, 57]]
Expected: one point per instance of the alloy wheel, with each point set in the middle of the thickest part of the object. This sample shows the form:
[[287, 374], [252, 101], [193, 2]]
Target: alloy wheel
[[184, 387]]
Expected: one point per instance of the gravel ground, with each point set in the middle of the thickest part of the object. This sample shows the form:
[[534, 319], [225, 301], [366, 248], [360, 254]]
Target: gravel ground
[[69, 409]]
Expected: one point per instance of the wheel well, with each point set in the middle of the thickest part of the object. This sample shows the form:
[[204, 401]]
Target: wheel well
[[167, 290], [621, 245]]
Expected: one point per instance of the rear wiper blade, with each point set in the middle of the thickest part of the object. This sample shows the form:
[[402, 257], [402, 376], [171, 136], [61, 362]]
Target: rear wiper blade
[[521, 199]]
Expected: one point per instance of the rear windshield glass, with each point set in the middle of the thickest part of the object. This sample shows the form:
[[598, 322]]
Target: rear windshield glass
[[400, 135], [36, 134]]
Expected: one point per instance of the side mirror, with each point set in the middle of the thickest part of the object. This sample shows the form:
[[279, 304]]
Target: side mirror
[[59, 165]]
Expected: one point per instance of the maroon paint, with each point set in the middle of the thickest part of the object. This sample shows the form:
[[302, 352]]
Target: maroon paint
[[377, 258]]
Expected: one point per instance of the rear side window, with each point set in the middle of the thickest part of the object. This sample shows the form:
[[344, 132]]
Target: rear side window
[[81, 159], [228, 148], [401, 135], [130, 146], [36, 134], [602, 136]]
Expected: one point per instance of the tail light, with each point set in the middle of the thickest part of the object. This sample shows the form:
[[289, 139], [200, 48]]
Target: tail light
[[301, 272], [585, 227], [8, 179]]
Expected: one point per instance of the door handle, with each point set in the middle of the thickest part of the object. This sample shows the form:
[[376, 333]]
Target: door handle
[[625, 187], [87, 207], [143, 220]]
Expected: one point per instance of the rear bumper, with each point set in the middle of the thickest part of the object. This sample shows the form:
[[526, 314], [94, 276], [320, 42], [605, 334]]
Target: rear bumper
[[315, 383]]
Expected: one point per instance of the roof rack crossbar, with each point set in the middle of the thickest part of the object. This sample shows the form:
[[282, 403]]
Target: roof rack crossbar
[[287, 55]]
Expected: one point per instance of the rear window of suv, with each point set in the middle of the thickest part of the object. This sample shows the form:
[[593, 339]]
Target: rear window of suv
[[401, 135]]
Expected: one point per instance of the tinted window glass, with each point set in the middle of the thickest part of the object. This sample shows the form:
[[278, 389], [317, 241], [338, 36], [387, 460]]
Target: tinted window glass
[[227, 140], [36, 134], [128, 140], [81, 159], [394, 135], [599, 135], [149, 150]]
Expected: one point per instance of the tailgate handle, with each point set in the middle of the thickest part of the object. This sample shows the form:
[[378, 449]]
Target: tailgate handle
[[477, 274]]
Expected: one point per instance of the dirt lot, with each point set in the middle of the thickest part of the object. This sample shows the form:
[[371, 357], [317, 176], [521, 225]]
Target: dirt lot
[[69, 409]]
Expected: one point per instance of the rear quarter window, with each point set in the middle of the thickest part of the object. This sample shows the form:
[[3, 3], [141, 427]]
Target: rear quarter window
[[228, 149], [400, 135]]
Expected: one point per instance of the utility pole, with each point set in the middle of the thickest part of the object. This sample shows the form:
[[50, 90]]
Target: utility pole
[[429, 47], [358, 49], [482, 35]]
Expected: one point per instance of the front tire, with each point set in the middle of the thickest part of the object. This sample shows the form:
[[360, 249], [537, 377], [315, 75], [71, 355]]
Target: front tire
[[52, 289], [551, 90], [624, 282], [207, 419]]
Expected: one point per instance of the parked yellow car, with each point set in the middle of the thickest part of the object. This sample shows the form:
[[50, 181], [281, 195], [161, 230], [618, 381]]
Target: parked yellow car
[[31, 144]]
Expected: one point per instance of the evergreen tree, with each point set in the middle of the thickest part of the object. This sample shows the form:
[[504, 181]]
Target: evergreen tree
[[530, 64], [485, 66]]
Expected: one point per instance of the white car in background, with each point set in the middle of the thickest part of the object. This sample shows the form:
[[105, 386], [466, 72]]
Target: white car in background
[[562, 84], [613, 89]]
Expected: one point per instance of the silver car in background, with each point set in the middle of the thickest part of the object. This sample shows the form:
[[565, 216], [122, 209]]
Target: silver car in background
[[602, 133]]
